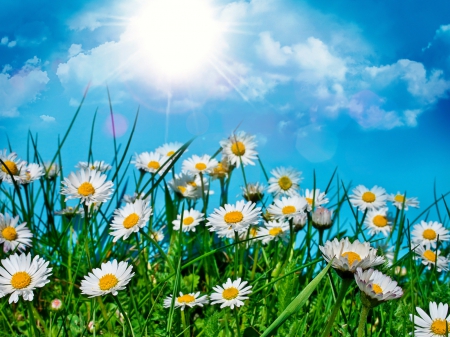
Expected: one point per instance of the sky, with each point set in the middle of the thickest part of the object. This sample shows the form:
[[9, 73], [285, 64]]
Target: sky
[[358, 85]]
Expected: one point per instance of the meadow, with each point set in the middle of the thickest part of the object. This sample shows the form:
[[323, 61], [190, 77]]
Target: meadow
[[135, 247]]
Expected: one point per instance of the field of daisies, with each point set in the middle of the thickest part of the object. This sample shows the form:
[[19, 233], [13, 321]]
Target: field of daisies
[[138, 247]]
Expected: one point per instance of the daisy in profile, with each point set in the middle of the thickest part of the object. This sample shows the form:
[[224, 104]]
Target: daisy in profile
[[196, 164], [130, 218], [130, 199], [71, 212], [436, 325], [158, 235], [253, 192], [231, 294], [234, 217], [240, 147], [285, 181], [349, 256], [32, 172], [426, 233], [287, 208], [191, 219], [167, 150], [377, 286], [96, 165], [189, 185], [221, 170], [51, 170], [363, 198], [191, 300], [87, 185], [20, 275], [108, 279], [15, 166], [148, 162], [319, 198], [376, 221], [399, 200], [430, 258], [274, 231], [12, 235]]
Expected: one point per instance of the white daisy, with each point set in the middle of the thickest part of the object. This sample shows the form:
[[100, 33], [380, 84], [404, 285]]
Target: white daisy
[[436, 325], [130, 218], [32, 172], [12, 235], [428, 232], [252, 232], [96, 165], [190, 300], [363, 198], [71, 212], [51, 171], [20, 275], [299, 221], [377, 286], [234, 217], [253, 192], [87, 185], [430, 258], [320, 198], [191, 218], [129, 199], [376, 221], [14, 165], [274, 230], [349, 256], [285, 181], [189, 185], [240, 147], [287, 208], [322, 218], [399, 200], [149, 162], [221, 170], [108, 279], [231, 294], [158, 235], [168, 150], [196, 164]]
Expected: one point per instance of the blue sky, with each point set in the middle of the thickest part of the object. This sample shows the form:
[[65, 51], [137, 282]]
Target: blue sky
[[359, 85]]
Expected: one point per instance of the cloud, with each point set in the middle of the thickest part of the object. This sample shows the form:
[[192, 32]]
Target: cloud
[[4, 40], [74, 50], [47, 118], [85, 20]]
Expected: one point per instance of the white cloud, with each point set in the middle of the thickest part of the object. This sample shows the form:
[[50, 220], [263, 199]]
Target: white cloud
[[12, 44], [4, 40], [47, 118], [74, 50], [85, 20], [271, 50]]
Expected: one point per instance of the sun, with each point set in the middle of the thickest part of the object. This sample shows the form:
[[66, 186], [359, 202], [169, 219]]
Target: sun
[[175, 37]]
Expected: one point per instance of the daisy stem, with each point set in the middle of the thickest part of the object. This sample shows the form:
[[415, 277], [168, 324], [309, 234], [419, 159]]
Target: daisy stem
[[238, 328], [236, 253], [255, 260], [363, 320], [344, 287], [32, 320], [124, 315], [185, 327]]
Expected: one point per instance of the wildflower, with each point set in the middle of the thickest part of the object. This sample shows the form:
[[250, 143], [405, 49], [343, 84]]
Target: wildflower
[[430, 258], [363, 198], [130, 199], [15, 166], [274, 230], [287, 208], [285, 181], [87, 185], [376, 221], [319, 198], [400, 199], [91, 326], [189, 185], [20, 276], [148, 161], [12, 235], [196, 164], [191, 218], [428, 232], [96, 165], [167, 150], [299, 221], [436, 325], [240, 147], [56, 304], [231, 293], [32, 172], [158, 235], [108, 279], [71, 212], [51, 170], [221, 170], [129, 219], [253, 192], [190, 300], [322, 218], [374, 285]]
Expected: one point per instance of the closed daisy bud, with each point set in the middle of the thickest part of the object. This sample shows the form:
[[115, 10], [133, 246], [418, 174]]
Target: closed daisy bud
[[56, 304], [299, 221], [322, 218], [253, 192]]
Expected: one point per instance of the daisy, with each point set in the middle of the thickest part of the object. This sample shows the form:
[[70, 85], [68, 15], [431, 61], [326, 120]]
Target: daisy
[[70, 212], [400, 199], [190, 300], [221, 170], [240, 147], [189, 185], [287, 208], [234, 217], [377, 286], [96, 165], [376, 221], [130, 218], [108, 279], [158, 235], [274, 230], [430, 257], [168, 150], [428, 232], [322, 218], [20, 275], [436, 325], [129, 199], [316, 196], [363, 198], [231, 293], [196, 164], [285, 181], [299, 221], [56, 304], [51, 170], [87, 185], [148, 162], [253, 192], [32, 172], [349, 256], [252, 232], [12, 235], [191, 218], [14, 165]]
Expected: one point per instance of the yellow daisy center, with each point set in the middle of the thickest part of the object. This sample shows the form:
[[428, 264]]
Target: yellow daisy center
[[230, 293], [288, 210], [429, 234], [131, 220], [429, 255], [9, 233], [188, 221], [309, 200], [351, 257], [20, 280], [200, 166], [440, 327], [168, 154], [192, 183], [377, 289], [275, 231], [238, 148], [186, 299], [233, 217], [11, 166], [107, 282], [399, 198], [86, 189], [368, 197], [285, 183], [253, 231], [153, 165], [380, 221], [182, 189]]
